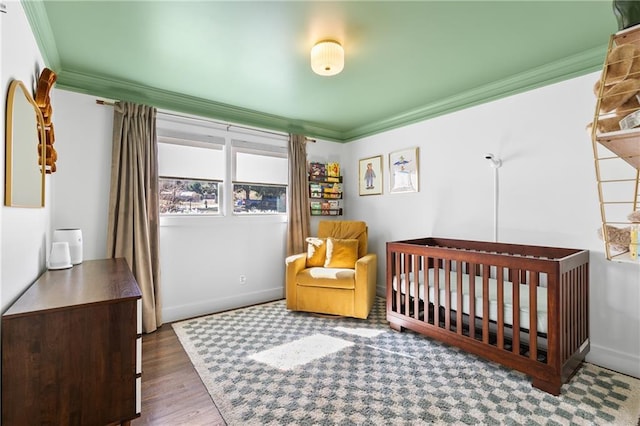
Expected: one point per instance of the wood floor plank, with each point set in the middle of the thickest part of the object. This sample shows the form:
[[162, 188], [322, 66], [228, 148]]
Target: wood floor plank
[[172, 391]]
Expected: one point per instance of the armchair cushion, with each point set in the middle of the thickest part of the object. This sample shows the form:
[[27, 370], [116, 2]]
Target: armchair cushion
[[345, 229], [341, 253], [327, 278], [316, 251]]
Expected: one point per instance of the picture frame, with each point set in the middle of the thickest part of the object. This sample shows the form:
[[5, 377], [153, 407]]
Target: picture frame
[[370, 175], [403, 171]]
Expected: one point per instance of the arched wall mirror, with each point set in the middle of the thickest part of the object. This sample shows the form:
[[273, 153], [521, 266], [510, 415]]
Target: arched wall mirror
[[24, 177]]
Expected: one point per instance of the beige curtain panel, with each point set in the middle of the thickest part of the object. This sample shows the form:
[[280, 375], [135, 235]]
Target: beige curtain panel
[[299, 217], [133, 203]]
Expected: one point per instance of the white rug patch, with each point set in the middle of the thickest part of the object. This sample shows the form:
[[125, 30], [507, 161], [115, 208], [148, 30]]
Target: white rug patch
[[362, 332], [301, 351]]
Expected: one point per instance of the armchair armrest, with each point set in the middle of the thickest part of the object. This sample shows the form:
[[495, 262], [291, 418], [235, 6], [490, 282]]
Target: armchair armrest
[[365, 286], [295, 258], [293, 265]]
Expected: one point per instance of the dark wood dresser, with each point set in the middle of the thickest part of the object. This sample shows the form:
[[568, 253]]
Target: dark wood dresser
[[72, 348]]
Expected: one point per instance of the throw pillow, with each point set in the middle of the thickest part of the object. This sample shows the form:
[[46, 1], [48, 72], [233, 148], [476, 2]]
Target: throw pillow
[[316, 251], [341, 253]]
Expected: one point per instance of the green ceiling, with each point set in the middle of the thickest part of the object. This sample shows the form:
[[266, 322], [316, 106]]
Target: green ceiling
[[247, 62]]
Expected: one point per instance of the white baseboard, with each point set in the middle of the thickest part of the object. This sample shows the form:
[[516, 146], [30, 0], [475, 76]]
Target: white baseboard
[[205, 307], [611, 359]]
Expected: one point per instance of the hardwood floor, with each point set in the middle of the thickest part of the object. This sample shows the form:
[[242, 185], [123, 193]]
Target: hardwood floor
[[172, 392]]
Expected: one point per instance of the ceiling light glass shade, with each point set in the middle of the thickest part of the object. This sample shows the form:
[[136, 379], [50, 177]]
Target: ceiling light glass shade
[[327, 58]]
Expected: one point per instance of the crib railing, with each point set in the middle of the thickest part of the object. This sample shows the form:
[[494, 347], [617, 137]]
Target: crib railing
[[560, 275], [472, 324]]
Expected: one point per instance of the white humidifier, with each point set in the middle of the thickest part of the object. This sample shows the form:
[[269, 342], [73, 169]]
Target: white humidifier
[[72, 236]]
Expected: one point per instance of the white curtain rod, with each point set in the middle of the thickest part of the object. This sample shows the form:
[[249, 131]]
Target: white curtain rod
[[208, 120]]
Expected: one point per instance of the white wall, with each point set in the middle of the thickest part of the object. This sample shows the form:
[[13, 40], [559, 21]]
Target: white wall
[[23, 231], [547, 196], [202, 260], [81, 184]]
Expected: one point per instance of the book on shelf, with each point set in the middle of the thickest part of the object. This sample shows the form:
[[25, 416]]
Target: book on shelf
[[317, 169], [331, 212], [335, 188], [333, 169], [327, 179]]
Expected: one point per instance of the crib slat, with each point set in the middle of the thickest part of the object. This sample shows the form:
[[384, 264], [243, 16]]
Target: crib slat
[[500, 284], [564, 319], [416, 285], [485, 303], [584, 300], [576, 306], [459, 292], [407, 285], [399, 283], [447, 294], [472, 300], [516, 311], [580, 296], [572, 314], [533, 314], [436, 292], [566, 281], [558, 322]]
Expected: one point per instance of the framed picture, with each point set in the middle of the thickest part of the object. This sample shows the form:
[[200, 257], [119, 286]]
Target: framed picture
[[370, 175], [403, 171]]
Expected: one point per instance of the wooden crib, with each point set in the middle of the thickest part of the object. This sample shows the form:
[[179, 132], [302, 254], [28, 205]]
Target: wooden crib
[[547, 286]]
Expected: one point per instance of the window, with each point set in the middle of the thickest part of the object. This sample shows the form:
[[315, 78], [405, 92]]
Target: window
[[189, 196], [260, 175], [191, 169], [208, 169], [255, 198]]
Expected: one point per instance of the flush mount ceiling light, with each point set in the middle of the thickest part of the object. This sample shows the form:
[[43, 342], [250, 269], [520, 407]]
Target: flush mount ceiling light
[[327, 58]]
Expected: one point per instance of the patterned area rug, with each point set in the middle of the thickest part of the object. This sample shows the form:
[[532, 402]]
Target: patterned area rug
[[264, 365]]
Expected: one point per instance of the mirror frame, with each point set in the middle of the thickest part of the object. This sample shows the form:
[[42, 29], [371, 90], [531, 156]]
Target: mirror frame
[[38, 143]]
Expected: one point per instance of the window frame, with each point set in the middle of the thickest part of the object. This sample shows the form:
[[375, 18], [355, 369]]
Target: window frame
[[182, 138], [205, 133], [243, 146], [219, 195]]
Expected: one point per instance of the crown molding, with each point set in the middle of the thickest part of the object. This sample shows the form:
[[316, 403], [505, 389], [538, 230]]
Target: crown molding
[[39, 22], [572, 66], [128, 91]]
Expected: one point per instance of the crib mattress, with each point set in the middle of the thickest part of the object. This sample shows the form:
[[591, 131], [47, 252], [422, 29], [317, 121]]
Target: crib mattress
[[493, 297]]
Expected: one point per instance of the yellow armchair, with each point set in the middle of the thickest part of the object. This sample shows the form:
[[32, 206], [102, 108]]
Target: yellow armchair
[[345, 291]]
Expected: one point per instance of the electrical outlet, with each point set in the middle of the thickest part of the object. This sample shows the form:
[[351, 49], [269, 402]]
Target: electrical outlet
[[243, 279]]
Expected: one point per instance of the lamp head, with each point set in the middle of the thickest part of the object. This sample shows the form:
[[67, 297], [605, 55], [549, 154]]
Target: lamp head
[[495, 162]]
